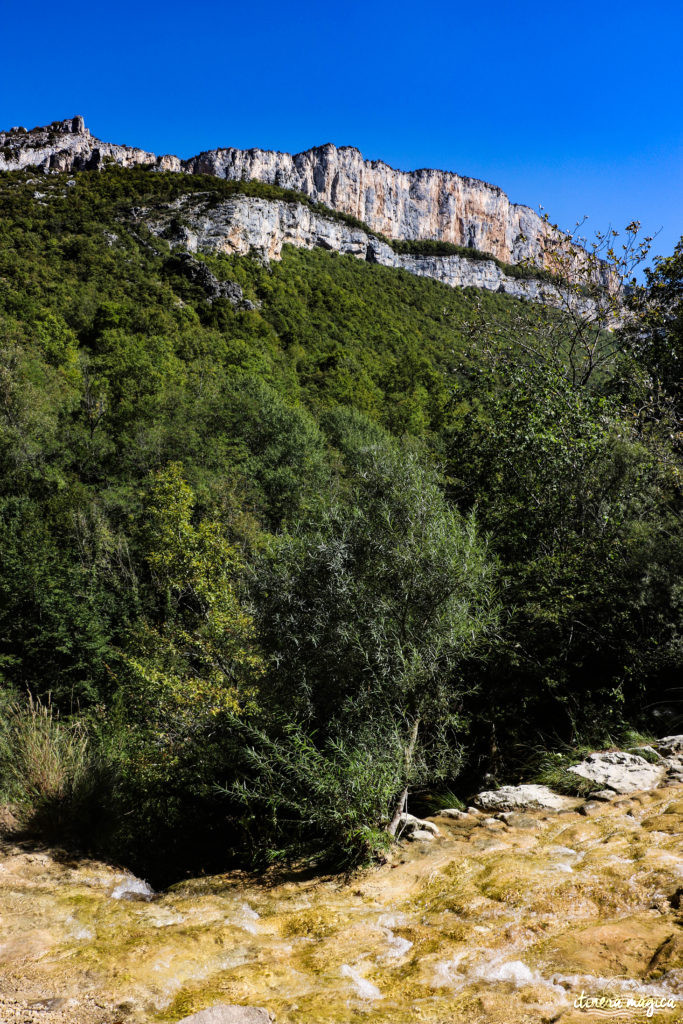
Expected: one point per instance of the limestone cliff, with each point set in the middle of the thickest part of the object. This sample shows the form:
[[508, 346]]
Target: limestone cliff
[[405, 205], [244, 224], [69, 146], [400, 204], [423, 204]]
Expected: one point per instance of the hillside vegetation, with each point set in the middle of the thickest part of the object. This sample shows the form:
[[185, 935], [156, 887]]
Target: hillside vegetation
[[265, 569]]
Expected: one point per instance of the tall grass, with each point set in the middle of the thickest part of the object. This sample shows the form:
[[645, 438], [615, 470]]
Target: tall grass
[[54, 773]]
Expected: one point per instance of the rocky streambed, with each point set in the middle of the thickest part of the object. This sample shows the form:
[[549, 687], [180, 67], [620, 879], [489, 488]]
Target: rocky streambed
[[501, 916]]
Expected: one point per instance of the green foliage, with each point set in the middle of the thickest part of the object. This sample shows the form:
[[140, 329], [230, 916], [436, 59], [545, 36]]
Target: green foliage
[[226, 530], [370, 606], [195, 650], [583, 517], [381, 592], [657, 332], [329, 800]]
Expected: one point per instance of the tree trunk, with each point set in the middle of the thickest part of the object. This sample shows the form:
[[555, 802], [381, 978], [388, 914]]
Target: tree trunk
[[401, 802]]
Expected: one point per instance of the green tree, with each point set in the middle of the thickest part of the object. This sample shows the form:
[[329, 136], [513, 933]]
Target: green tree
[[369, 606], [196, 646], [583, 517], [656, 330]]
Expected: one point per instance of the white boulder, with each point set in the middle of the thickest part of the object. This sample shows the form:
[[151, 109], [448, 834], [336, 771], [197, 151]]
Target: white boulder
[[521, 798], [408, 824], [619, 771]]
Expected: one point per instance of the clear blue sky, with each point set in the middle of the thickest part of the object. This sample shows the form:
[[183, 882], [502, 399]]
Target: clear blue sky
[[577, 107]]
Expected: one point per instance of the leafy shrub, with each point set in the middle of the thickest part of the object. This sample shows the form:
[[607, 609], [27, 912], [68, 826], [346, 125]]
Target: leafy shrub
[[330, 801]]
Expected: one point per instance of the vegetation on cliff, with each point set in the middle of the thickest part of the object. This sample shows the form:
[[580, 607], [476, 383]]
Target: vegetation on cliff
[[370, 532]]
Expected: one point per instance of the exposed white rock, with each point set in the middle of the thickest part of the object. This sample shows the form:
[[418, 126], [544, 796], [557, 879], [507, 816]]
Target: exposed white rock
[[421, 204], [402, 204], [132, 888], [245, 224], [619, 771], [453, 812], [421, 835], [520, 798], [408, 824], [671, 744], [224, 1014]]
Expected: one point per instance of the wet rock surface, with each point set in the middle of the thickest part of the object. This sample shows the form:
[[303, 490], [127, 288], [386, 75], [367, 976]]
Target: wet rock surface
[[499, 920], [229, 1015]]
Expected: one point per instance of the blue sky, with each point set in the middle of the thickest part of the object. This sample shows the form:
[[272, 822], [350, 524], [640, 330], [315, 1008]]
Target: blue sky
[[576, 107]]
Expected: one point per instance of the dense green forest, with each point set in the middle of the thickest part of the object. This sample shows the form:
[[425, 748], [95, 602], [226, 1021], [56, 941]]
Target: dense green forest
[[267, 565]]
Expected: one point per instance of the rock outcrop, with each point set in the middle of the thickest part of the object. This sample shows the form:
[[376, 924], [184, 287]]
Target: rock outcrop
[[198, 273], [401, 205], [422, 204], [69, 146], [418, 204], [244, 224], [516, 798], [620, 772]]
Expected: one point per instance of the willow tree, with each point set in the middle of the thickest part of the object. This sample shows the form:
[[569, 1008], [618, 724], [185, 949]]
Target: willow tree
[[371, 605]]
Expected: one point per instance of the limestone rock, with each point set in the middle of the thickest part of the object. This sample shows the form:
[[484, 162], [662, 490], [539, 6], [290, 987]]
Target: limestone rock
[[413, 205], [224, 1014], [521, 798], [517, 819], [64, 146], [671, 745], [198, 272], [646, 751], [401, 204], [452, 812], [493, 823], [246, 224], [421, 834], [408, 824], [619, 771]]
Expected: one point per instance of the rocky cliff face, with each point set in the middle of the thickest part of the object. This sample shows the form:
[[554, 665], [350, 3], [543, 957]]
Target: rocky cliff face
[[244, 224], [407, 205], [69, 146], [400, 204]]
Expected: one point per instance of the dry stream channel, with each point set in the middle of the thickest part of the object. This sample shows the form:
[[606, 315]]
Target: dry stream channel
[[495, 921]]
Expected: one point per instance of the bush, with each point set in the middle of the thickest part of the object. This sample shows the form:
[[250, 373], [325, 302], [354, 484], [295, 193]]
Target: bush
[[331, 801]]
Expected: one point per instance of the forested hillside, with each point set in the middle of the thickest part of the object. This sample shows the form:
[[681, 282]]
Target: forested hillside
[[271, 559]]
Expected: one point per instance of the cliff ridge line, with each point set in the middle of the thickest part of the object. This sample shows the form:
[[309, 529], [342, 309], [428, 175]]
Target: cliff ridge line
[[406, 205]]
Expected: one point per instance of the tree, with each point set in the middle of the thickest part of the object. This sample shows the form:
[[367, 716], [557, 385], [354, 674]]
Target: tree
[[194, 654], [583, 516], [370, 605], [655, 333], [584, 285]]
